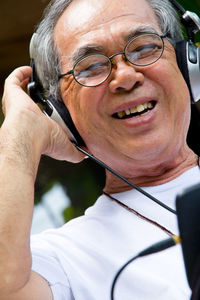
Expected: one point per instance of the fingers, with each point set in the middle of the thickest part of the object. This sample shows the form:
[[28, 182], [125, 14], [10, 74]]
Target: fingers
[[15, 95], [26, 116], [18, 76], [60, 147]]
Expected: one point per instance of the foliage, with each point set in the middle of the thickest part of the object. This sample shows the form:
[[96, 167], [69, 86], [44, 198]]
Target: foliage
[[193, 6], [82, 182]]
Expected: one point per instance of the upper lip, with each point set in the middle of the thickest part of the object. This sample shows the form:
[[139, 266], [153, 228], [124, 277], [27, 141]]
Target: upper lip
[[131, 104]]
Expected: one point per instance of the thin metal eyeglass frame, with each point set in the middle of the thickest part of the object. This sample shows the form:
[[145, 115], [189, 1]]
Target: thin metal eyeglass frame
[[71, 72]]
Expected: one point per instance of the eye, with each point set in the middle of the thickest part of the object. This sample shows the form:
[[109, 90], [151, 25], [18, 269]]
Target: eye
[[91, 70], [145, 50], [92, 66]]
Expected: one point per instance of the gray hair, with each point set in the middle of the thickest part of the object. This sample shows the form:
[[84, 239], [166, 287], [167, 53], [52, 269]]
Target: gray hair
[[47, 60]]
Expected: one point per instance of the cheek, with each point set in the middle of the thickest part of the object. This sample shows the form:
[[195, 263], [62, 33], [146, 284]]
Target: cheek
[[91, 101], [71, 92], [84, 106], [169, 77], [174, 93]]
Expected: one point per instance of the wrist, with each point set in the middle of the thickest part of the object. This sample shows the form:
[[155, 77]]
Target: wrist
[[20, 149]]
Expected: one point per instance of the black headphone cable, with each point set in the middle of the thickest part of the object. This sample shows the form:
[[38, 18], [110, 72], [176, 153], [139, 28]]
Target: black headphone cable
[[102, 164]]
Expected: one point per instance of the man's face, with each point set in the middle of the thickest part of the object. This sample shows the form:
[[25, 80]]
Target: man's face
[[152, 136]]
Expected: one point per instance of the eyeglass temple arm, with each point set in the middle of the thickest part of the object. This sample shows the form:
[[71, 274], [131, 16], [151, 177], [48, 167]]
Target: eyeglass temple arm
[[64, 74]]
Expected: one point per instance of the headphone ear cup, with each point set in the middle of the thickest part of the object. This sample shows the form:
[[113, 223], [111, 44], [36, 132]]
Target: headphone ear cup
[[188, 59], [182, 55], [61, 115], [53, 107]]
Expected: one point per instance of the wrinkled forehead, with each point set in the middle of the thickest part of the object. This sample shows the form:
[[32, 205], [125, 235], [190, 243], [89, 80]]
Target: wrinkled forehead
[[80, 12], [85, 16]]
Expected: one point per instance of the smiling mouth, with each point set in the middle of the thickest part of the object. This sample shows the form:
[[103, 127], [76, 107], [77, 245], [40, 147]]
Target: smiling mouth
[[135, 111]]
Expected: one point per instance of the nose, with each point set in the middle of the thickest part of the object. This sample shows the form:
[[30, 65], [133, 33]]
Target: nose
[[124, 76]]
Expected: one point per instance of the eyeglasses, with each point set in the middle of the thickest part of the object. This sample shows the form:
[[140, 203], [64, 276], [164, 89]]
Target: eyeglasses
[[142, 50]]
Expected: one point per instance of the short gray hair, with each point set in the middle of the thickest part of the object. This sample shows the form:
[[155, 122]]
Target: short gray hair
[[47, 60]]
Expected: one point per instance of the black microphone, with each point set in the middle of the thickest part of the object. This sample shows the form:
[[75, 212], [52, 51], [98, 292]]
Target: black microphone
[[188, 214], [157, 247]]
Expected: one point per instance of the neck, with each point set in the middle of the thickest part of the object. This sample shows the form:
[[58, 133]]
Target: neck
[[156, 175]]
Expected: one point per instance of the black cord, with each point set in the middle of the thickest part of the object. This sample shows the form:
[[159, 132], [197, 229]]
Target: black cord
[[178, 7], [157, 247], [102, 164]]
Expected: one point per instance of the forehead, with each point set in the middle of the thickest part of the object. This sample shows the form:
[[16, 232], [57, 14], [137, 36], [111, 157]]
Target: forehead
[[95, 21]]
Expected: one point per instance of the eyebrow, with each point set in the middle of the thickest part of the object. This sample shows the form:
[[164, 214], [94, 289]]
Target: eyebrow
[[138, 30], [91, 49], [86, 50]]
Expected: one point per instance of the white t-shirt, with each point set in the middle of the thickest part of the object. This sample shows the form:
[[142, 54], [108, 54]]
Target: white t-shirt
[[80, 259]]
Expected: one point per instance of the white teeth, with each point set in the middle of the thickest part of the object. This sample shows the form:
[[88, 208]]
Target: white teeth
[[128, 112], [133, 110], [145, 105], [149, 105], [139, 108]]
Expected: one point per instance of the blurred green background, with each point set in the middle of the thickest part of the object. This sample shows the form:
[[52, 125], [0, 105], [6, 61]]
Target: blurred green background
[[83, 182]]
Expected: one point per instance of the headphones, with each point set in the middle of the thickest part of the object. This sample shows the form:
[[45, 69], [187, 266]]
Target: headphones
[[188, 59]]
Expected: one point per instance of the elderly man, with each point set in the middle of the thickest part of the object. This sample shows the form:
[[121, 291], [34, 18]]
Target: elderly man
[[131, 105]]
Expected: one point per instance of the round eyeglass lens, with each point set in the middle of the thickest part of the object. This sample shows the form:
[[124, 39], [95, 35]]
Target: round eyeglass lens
[[92, 70], [144, 49]]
